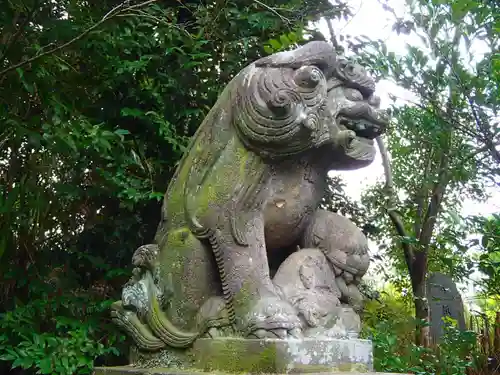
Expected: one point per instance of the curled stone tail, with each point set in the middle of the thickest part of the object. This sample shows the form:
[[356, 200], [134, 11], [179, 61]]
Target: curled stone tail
[[165, 330], [130, 323]]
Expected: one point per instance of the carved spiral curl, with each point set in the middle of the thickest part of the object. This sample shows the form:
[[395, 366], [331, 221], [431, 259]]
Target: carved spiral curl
[[283, 102], [277, 109], [308, 77]]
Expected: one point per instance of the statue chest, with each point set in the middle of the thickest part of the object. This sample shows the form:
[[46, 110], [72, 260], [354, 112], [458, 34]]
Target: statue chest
[[295, 194]]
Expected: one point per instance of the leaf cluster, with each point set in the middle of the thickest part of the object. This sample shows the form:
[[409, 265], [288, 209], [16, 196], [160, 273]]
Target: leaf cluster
[[443, 145]]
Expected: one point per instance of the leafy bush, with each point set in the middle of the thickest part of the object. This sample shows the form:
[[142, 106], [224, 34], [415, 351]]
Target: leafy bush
[[453, 355], [393, 310], [61, 335], [63, 327], [389, 322]]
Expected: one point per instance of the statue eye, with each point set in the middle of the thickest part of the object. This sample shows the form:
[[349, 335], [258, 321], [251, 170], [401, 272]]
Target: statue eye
[[353, 94]]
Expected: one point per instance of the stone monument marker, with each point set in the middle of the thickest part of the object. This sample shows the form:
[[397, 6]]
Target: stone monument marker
[[247, 193], [444, 300]]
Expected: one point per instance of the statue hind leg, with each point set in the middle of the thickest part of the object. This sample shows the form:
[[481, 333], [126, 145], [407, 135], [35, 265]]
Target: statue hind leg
[[189, 276]]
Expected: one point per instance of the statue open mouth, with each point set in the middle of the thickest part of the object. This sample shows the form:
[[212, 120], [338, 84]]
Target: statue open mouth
[[364, 120], [363, 128]]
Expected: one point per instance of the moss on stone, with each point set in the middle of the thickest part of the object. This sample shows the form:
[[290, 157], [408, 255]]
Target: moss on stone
[[233, 356], [180, 239], [242, 156], [169, 358]]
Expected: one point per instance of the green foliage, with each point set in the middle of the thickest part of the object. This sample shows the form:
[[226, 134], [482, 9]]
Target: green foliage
[[452, 356], [57, 333], [96, 109], [393, 309], [489, 256], [61, 328], [443, 146], [390, 323], [71, 351], [284, 42]]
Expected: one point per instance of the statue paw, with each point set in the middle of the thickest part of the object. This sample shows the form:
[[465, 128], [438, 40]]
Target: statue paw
[[274, 318], [310, 315]]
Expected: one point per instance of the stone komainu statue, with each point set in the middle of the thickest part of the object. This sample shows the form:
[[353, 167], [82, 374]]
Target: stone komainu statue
[[243, 247]]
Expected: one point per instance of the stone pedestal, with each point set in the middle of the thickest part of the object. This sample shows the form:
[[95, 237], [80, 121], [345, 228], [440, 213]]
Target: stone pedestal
[[282, 356], [128, 370], [293, 356]]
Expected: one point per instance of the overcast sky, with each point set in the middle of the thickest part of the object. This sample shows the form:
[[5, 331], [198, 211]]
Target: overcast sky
[[372, 20]]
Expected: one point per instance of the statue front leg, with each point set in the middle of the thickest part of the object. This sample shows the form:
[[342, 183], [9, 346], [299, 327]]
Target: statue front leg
[[342, 242], [259, 311]]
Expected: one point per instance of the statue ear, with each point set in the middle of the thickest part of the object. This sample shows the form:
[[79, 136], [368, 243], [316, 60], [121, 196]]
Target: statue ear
[[317, 53]]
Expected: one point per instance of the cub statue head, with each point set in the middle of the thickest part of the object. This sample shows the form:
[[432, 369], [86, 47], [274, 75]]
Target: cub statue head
[[308, 98]]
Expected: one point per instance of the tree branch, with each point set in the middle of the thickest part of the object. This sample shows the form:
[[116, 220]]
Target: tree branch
[[439, 112], [482, 128], [4, 39], [333, 39], [440, 186], [272, 10], [422, 195], [112, 13], [394, 216], [439, 189], [9, 43], [435, 202]]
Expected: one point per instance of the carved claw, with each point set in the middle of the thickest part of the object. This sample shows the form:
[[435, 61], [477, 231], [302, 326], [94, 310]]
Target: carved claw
[[274, 318], [310, 317], [311, 312]]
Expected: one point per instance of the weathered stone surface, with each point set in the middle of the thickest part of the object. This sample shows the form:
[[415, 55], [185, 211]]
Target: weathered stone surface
[[270, 356], [235, 355], [129, 370], [246, 194], [444, 300]]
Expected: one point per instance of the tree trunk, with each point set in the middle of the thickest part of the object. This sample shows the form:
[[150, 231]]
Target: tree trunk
[[497, 335], [419, 286], [416, 261]]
